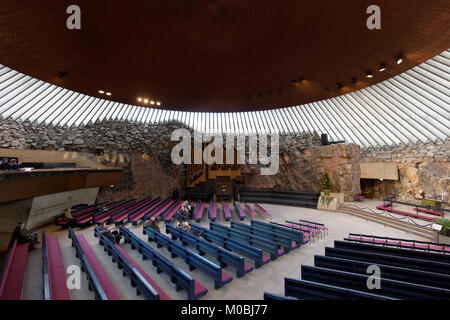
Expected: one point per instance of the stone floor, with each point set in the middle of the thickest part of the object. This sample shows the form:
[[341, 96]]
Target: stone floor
[[251, 286]]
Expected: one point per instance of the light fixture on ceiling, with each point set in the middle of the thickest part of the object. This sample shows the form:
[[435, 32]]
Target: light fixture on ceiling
[[399, 59], [369, 74], [152, 102], [139, 99], [158, 103], [145, 101], [382, 67], [108, 93], [101, 91]]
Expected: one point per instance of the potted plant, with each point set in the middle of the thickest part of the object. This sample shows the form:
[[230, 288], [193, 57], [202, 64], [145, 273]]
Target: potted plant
[[325, 183], [445, 223]]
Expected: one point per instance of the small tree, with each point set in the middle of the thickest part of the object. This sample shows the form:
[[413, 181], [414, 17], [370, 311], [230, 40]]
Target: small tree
[[325, 183]]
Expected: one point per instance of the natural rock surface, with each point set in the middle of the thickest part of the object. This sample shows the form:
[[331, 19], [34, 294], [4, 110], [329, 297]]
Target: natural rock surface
[[424, 170]]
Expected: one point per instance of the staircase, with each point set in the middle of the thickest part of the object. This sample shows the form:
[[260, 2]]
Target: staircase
[[424, 232]]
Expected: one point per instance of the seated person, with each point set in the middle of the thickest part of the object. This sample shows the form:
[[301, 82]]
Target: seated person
[[14, 165], [110, 232], [69, 218], [152, 223], [23, 235], [4, 164]]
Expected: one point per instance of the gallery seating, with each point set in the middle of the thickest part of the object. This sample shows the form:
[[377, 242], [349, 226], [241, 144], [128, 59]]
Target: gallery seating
[[138, 278], [270, 296], [194, 260], [99, 282], [436, 213], [54, 275], [13, 271], [345, 273], [310, 290], [294, 235], [85, 219], [317, 225], [302, 199], [388, 287], [414, 254], [279, 238], [221, 254], [259, 242], [181, 279], [231, 244], [401, 243], [308, 232], [409, 214], [391, 272]]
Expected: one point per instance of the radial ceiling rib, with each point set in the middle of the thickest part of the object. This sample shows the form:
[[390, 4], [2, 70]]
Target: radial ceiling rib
[[411, 107]]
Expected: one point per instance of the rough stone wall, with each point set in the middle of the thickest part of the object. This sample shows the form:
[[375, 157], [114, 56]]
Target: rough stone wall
[[144, 154], [142, 151], [423, 170], [302, 162]]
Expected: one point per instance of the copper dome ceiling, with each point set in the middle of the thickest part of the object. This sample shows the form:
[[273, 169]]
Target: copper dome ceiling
[[219, 55]]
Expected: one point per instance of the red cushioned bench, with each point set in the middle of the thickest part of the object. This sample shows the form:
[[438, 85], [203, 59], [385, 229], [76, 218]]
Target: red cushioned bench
[[429, 211], [156, 213], [13, 273], [199, 211], [104, 216], [56, 272], [171, 212], [135, 217], [261, 210], [380, 207], [251, 211], [162, 294], [120, 217], [212, 211], [226, 211], [103, 279]]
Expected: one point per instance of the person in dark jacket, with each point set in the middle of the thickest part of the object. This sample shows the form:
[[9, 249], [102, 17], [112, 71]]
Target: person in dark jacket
[[23, 235]]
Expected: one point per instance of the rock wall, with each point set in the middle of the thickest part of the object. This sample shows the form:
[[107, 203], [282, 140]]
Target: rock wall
[[424, 170], [302, 162], [142, 151], [144, 154]]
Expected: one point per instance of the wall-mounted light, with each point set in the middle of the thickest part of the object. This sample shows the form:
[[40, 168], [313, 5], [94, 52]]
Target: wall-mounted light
[[382, 67], [399, 59], [369, 74]]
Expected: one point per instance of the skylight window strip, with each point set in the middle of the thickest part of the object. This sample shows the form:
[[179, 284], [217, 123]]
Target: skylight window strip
[[321, 120], [72, 115], [59, 114], [42, 109], [14, 105], [86, 114], [345, 129], [97, 112]]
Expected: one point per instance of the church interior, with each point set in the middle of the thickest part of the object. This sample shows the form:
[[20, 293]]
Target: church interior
[[225, 150]]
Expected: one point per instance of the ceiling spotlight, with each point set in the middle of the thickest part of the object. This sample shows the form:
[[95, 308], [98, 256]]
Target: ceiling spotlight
[[140, 99], [145, 100], [382, 67], [108, 93], [101, 91], [158, 103], [369, 74], [152, 102], [353, 80], [339, 85], [399, 59]]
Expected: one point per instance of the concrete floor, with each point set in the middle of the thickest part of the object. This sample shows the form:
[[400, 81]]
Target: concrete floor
[[269, 277]]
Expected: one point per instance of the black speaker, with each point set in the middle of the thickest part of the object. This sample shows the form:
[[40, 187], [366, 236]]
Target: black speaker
[[324, 139]]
